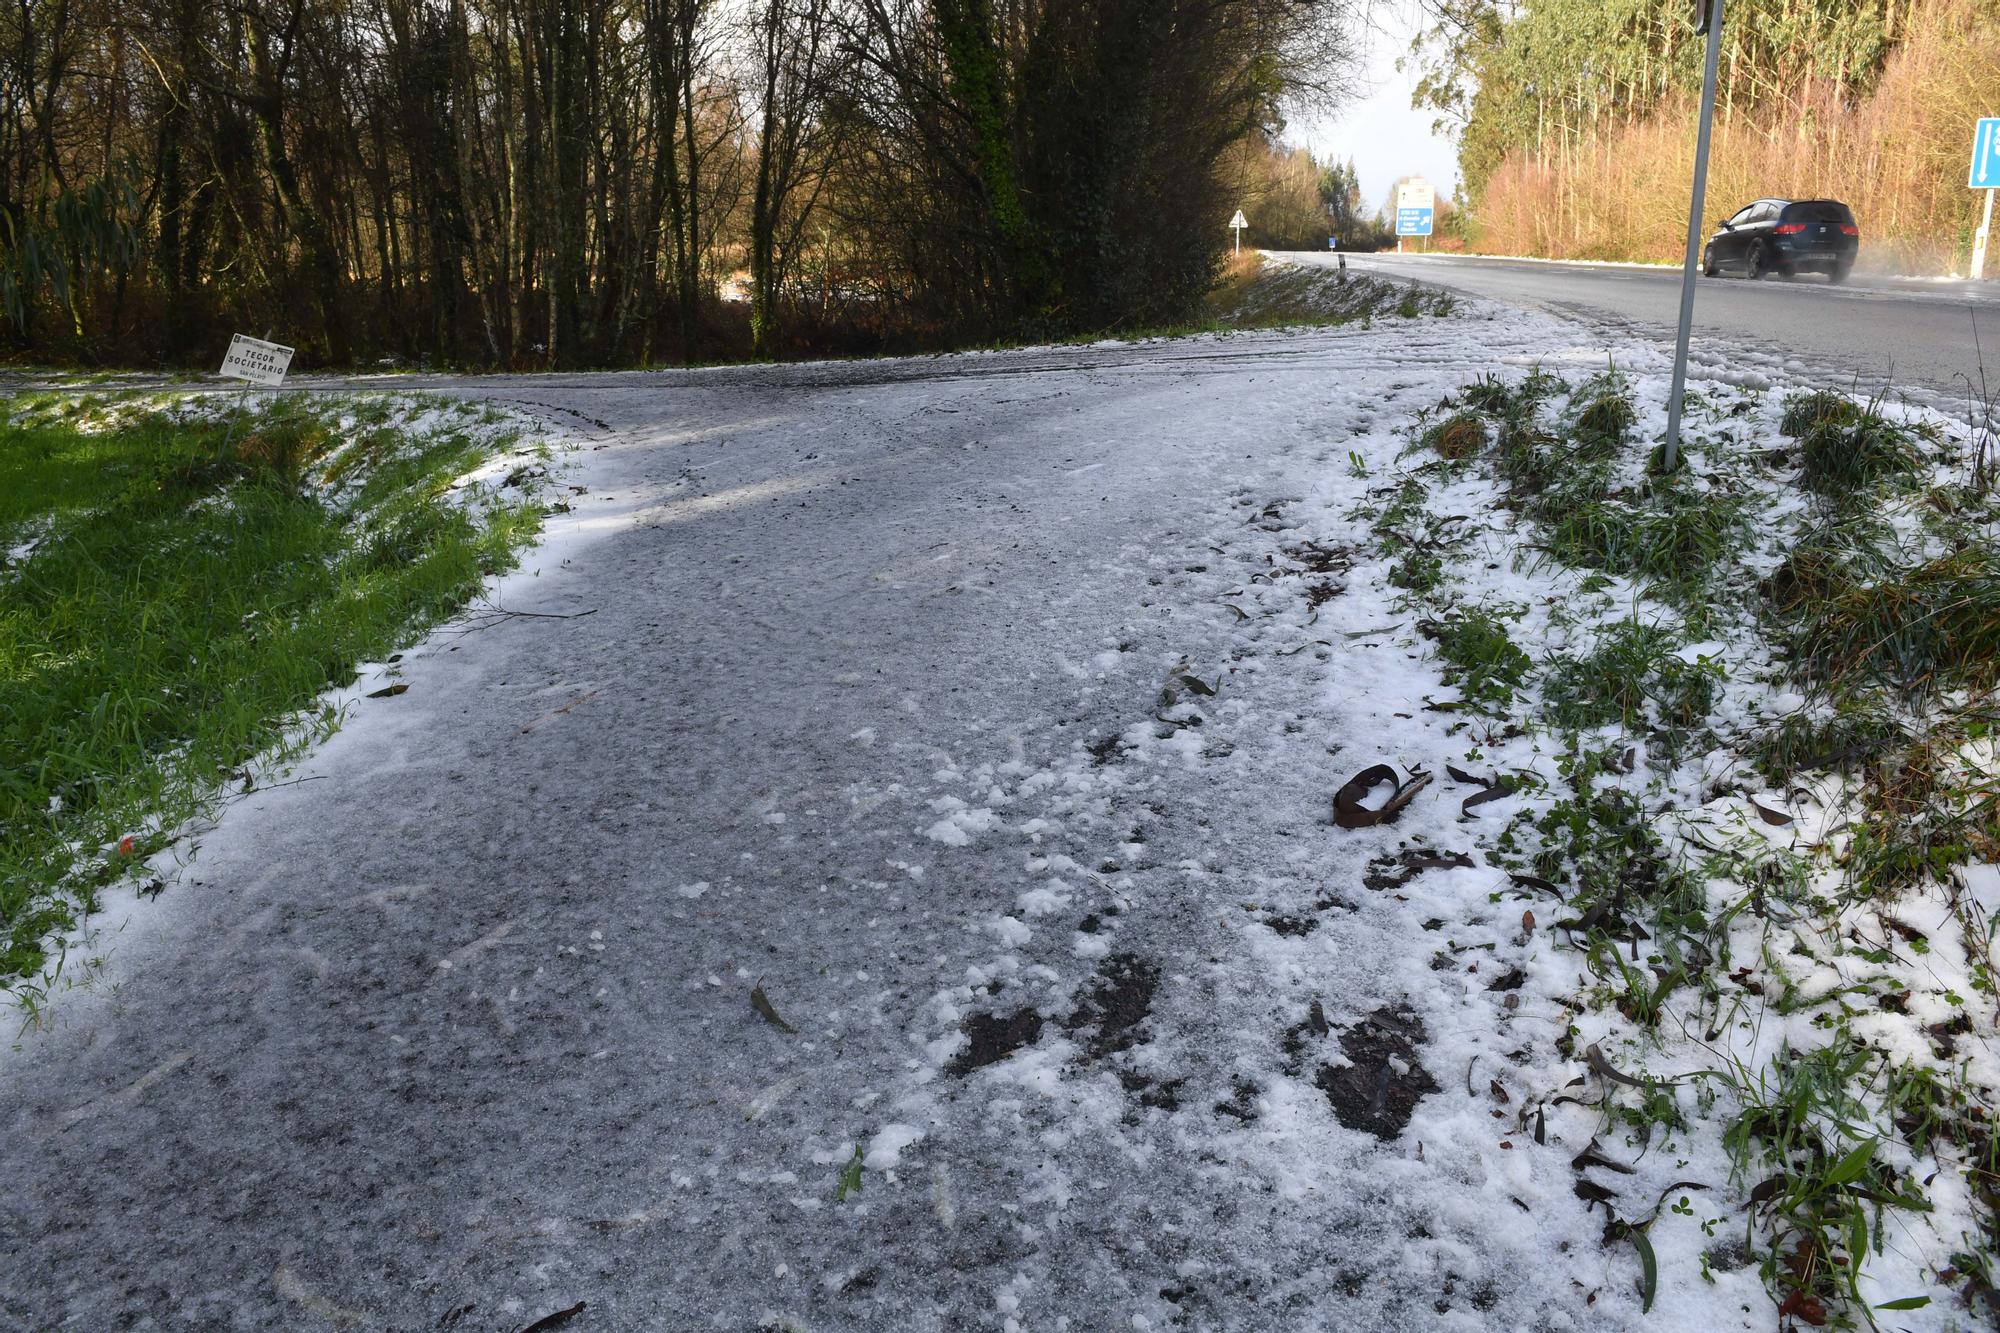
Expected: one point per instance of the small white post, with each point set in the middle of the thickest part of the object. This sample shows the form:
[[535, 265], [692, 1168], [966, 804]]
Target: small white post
[[1980, 238]]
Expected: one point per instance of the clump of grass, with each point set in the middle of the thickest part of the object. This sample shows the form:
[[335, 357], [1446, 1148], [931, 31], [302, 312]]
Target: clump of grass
[[1529, 456], [1489, 393], [1808, 412], [1480, 658], [1599, 841], [1801, 1135], [181, 608], [1682, 538], [1923, 816], [281, 446], [1540, 386], [1851, 546], [1844, 456], [1458, 436], [1602, 416], [1674, 541], [1634, 676], [1594, 533], [1419, 571], [1933, 626], [1856, 733], [1530, 459]]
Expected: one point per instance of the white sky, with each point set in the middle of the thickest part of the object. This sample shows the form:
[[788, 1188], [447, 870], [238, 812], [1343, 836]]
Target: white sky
[[1378, 129]]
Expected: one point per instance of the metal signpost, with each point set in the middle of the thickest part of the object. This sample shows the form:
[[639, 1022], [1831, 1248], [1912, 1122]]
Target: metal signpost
[[255, 362], [1985, 176], [1416, 210], [1708, 19], [1237, 224]]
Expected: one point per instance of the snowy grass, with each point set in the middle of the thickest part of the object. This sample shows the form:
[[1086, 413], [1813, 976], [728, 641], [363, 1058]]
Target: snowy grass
[[179, 582], [1253, 294], [1748, 712]]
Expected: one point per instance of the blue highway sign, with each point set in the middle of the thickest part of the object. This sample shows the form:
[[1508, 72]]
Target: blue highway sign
[[1414, 221], [1986, 155]]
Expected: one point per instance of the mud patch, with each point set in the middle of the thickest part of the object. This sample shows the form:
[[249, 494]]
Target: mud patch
[[1119, 999], [1158, 1094], [1292, 926], [1319, 593], [1379, 1090], [1241, 1103], [1106, 750], [1271, 518], [991, 1038], [1399, 868], [1318, 559]]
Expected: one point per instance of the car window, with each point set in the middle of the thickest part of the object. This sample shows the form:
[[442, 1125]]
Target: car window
[[1766, 212], [1819, 210], [1742, 218]]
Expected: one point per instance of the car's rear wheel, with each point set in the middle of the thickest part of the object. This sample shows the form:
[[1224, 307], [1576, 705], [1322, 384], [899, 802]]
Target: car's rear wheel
[[1840, 273], [1758, 264]]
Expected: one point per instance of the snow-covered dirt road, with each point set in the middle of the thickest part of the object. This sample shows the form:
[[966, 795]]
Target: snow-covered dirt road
[[884, 760]]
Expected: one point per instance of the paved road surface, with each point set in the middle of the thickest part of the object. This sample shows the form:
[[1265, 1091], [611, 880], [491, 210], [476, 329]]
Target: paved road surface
[[1873, 329], [867, 710], [461, 1034]]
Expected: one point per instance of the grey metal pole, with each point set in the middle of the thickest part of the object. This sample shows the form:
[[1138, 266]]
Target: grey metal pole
[[1671, 458]]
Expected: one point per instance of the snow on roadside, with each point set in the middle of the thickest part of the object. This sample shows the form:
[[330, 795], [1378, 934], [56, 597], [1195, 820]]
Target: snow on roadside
[[509, 452], [1396, 1041]]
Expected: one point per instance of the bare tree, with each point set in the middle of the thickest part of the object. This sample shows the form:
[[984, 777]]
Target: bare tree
[[802, 61]]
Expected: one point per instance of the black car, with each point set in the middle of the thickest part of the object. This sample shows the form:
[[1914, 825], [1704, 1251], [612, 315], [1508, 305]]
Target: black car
[[1786, 237]]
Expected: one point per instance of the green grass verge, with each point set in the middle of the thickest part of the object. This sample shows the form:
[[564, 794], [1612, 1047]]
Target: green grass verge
[[168, 614]]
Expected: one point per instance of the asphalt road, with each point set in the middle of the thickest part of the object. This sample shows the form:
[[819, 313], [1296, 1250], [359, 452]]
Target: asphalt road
[[1876, 330], [848, 691], [855, 710]]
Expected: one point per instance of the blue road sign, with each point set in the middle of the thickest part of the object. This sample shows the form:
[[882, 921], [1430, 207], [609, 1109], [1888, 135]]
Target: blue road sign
[[1414, 221], [1333, 242], [1986, 155]]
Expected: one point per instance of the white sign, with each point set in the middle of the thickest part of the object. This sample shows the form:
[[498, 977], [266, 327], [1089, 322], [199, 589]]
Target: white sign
[[255, 360], [1416, 205], [1239, 221]]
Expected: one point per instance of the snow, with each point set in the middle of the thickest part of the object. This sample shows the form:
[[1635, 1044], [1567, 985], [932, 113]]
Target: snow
[[1146, 899], [885, 1150]]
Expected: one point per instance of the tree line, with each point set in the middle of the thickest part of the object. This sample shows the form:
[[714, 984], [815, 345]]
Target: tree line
[[1575, 118], [1294, 201], [517, 183]]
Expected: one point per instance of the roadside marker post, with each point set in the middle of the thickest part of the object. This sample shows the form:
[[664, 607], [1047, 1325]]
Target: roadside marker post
[[1985, 175], [1708, 19], [1237, 224], [254, 361]]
